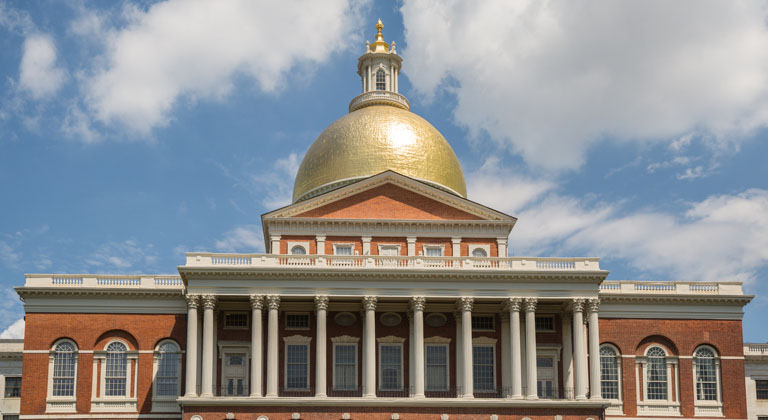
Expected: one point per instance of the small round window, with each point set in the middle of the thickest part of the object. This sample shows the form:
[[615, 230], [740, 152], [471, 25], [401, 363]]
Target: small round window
[[479, 252], [436, 320], [345, 319], [298, 250], [390, 319]]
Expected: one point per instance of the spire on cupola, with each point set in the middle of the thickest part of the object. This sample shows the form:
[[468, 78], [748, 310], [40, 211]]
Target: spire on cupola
[[379, 68]]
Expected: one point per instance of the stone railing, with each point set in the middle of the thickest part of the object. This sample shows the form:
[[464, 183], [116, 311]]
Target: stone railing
[[105, 281], [378, 97], [198, 259], [756, 349], [670, 288]]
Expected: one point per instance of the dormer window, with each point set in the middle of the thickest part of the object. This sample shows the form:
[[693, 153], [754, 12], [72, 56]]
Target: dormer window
[[381, 80]]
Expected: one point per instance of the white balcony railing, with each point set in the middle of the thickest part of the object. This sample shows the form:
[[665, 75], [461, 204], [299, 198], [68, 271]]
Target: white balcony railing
[[670, 288], [756, 349], [104, 282], [379, 97], [195, 259]]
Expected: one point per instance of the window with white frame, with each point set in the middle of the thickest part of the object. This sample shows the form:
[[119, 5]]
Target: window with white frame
[[484, 367], [297, 321], [707, 373], [433, 250], [342, 249], [389, 250], [64, 374], [381, 80], [545, 376], [479, 253], [297, 362], [345, 366], [656, 374], [167, 367], [390, 366], [609, 372], [659, 374], [117, 367], [298, 250], [235, 372], [436, 355], [116, 373]]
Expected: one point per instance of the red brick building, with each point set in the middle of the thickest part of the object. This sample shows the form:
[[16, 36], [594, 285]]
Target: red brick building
[[383, 294]]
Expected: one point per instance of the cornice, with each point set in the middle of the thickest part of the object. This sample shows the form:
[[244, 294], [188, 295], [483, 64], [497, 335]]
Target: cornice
[[24, 292], [395, 227], [663, 299]]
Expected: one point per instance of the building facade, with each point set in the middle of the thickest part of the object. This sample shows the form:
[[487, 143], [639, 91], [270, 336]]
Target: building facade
[[756, 368], [383, 294], [10, 378]]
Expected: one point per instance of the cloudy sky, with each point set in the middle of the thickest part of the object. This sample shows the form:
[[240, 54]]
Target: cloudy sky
[[132, 131]]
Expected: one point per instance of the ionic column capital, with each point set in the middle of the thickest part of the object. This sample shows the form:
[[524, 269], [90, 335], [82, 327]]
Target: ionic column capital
[[257, 301], [593, 305], [273, 301], [418, 303], [193, 301], [513, 304], [369, 303], [577, 305], [321, 303], [465, 303], [530, 304], [209, 301]]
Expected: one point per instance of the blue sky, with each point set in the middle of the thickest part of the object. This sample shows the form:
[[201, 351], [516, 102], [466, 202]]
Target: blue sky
[[131, 132]]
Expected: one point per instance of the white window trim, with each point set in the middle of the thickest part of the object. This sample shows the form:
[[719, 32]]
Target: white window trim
[[309, 321], [165, 403], [383, 246], [344, 244], [391, 341], [345, 341], [554, 353], [438, 342], [247, 320], [230, 349], [493, 318], [121, 403], [484, 247], [550, 316], [61, 404], [486, 342], [705, 408], [433, 246], [303, 244], [646, 407], [296, 340], [617, 405]]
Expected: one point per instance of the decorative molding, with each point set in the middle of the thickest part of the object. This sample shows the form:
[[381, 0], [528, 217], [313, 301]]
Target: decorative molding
[[417, 303], [437, 340], [369, 303], [346, 339], [530, 304], [209, 301], [273, 302], [513, 304], [297, 339], [484, 340], [593, 305], [390, 339], [193, 301], [321, 303], [465, 303]]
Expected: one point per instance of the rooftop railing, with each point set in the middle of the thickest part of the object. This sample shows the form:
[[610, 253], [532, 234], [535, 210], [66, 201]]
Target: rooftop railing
[[379, 97], [195, 259], [670, 288], [105, 282], [756, 349]]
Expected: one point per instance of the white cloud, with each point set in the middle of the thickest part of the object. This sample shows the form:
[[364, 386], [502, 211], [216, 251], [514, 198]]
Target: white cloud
[[484, 185], [38, 72], [247, 238], [190, 50], [15, 330], [552, 79], [279, 182], [126, 256]]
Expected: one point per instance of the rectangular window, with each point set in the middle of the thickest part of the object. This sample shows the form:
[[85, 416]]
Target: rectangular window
[[433, 251], [545, 323], [437, 367], [483, 368], [10, 417], [236, 320], [297, 321], [297, 366], [391, 367], [342, 249], [12, 386], [482, 323], [167, 374], [762, 389], [114, 380], [345, 366]]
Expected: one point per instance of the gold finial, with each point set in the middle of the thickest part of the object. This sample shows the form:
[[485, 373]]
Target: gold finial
[[379, 45]]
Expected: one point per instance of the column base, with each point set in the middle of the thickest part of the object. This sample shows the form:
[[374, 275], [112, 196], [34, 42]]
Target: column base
[[532, 397], [581, 397], [206, 395], [256, 396], [369, 396], [468, 396], [190, 394], [271, 395], [516, 397], [419, 396], [321, 395]]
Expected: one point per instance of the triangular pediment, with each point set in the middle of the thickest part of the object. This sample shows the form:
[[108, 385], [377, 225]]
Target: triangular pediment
[[389, 196]]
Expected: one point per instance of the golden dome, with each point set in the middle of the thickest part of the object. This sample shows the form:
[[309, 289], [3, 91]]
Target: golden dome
[[374, 139]]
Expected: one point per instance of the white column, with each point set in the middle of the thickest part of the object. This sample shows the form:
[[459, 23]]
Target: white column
[[417, 305], [459, 353], [530, 349], [502, 245], [579, 358], [593, 306], [321, 309], [567, 355], [366, 245], [513, 306], [191, 384], [456, 249], [257, 304], [320, 241], [411, 246], [465, 306], [369, 347], [275, 244], [506, 361], [273, 304], [209, 302]]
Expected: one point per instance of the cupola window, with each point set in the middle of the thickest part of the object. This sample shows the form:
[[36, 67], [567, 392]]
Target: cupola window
[[381, 80]]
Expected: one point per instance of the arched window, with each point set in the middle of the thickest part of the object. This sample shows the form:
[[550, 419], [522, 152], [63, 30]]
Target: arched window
[[657, 373], [64, 369], [479, 252], [298, 250], [167, 369], [707, 369], [116, 371], [609, 372], [381, 80]]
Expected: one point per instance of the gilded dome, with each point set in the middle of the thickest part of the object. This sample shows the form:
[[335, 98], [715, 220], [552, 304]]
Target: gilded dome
[[374, 139]]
